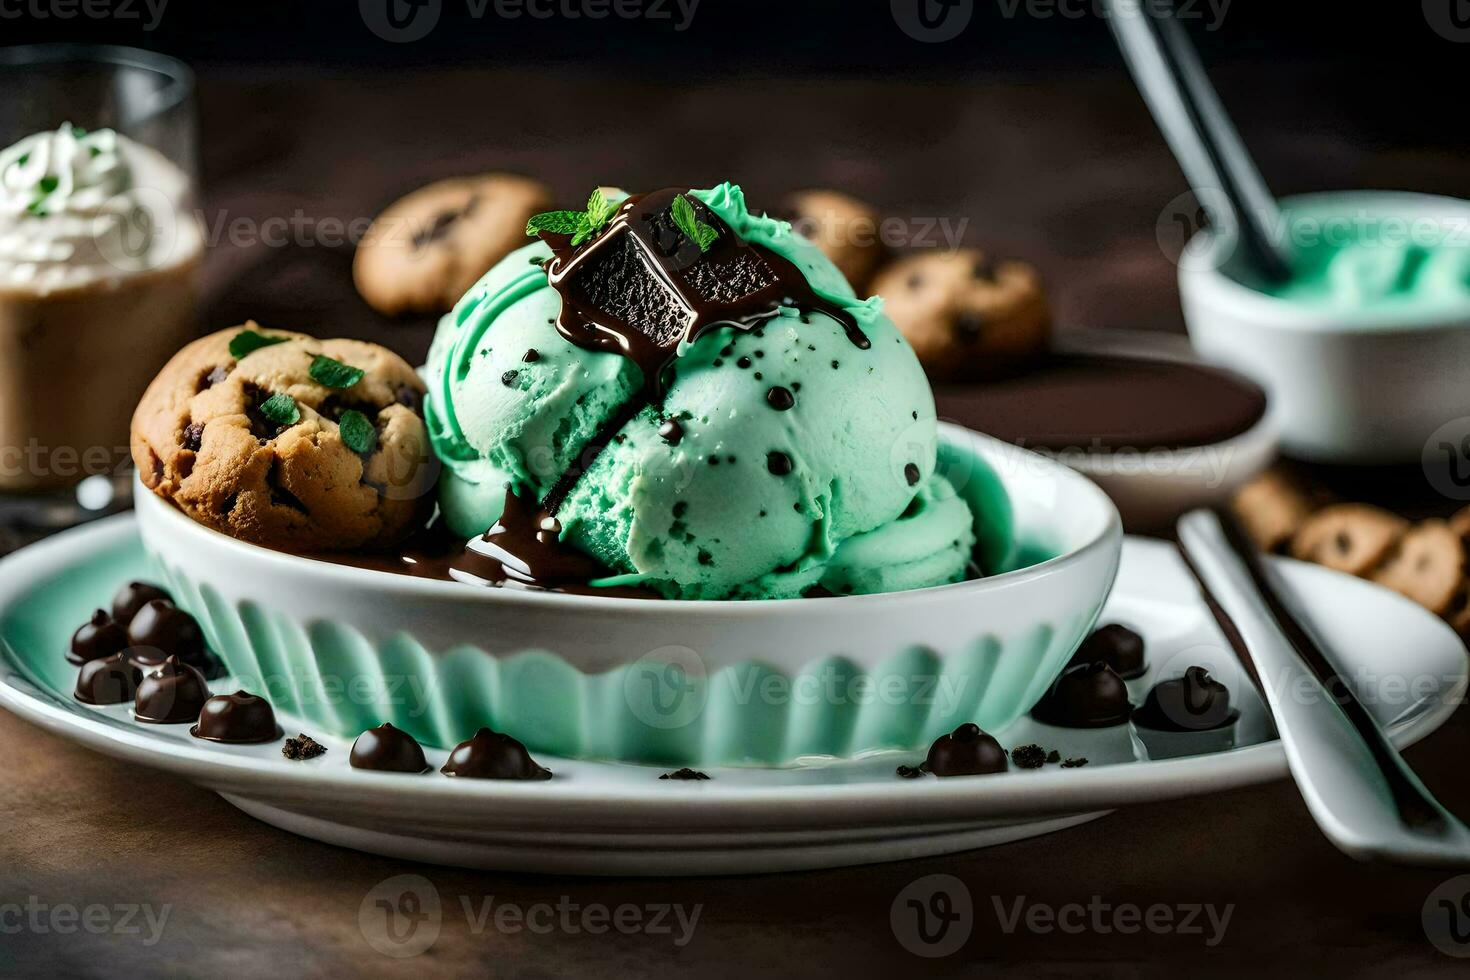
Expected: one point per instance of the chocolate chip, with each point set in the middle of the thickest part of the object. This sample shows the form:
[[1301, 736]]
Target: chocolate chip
[[685, 773], [671, 432], [778, 463], [915, 280], [215, 376], [1028, 756], [911, 473], [983, 270], [193, 436], [531, 356], [743, 363], [971, 326], [509, 378], [781, 399], [303, 746], [407, 397]]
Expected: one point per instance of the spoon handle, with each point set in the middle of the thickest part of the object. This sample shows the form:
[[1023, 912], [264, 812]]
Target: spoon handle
[[1209, 150], [1356, 785]]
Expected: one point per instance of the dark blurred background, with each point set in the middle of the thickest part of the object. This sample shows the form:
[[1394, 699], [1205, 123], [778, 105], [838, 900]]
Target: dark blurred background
[[766, 37], [1023, 125]]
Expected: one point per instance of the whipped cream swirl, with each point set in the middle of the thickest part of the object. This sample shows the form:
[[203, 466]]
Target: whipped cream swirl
[[72, 209]]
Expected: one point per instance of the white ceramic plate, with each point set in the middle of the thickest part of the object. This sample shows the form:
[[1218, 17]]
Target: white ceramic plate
[[596, 818]]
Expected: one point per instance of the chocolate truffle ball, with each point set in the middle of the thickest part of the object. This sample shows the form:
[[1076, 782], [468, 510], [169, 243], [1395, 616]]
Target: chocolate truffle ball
[[241, 718], [133, 597], [174, 694], [1086, 696], [491, 755], [161, 630], [111, 680], [1117, 646], [1195, 702], [97, 638], [388, 749], [966, 751]]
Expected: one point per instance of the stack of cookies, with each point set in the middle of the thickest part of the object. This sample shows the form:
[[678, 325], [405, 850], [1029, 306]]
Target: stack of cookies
[[1424, 561]]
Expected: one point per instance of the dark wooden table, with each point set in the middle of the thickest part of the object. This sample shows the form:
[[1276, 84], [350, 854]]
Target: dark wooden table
[[1067, 172]]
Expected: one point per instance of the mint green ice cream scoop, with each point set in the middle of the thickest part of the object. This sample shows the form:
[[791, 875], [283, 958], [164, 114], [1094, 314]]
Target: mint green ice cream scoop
[[765, 460]]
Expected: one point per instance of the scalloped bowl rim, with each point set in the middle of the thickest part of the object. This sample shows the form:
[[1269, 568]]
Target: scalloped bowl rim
[[1107, 535]]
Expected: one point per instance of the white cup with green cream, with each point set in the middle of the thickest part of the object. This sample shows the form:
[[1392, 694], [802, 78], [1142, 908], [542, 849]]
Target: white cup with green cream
[[1365, 352]]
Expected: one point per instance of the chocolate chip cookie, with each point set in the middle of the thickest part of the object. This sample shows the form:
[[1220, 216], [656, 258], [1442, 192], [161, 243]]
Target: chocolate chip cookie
[[1427, 565], [426, 249], [288, 441], [1352, 538], [1271, 508], [844, 228], [967, 318]]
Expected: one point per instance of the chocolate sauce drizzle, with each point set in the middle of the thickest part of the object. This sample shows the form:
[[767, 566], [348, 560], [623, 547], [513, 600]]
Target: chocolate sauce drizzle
[[682, 292]]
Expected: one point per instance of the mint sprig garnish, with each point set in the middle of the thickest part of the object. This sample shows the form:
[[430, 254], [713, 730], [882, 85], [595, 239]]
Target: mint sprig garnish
[[281, 409], [333, 373], [555, 222], [358, 434], [688, 222], [248, 342], [581, 225]]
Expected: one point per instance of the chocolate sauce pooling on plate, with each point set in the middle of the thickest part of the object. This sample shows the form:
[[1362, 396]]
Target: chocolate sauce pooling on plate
[[388, 749], [171, 695], [1097, 403], [241, 718], [111, 680], [97, 638], [491, 755], [1086, 696]]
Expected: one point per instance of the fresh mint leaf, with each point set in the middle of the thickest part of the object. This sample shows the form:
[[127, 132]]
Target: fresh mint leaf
[[332, 373], [281, 409], [49, 183], [599, 210], [584, 231], [685, 218], [555, 222], [688, 222], [248, 342], [357, 432]]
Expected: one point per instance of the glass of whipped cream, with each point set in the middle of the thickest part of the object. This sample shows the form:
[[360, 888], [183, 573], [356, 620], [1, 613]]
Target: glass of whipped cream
[[100, 248]]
